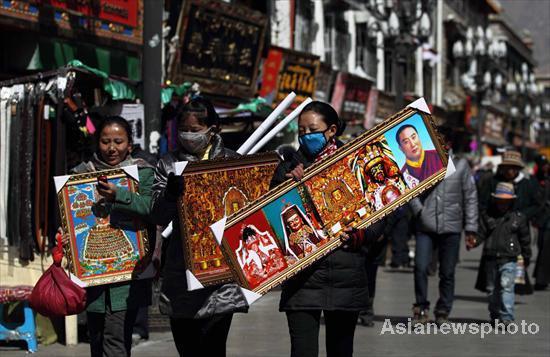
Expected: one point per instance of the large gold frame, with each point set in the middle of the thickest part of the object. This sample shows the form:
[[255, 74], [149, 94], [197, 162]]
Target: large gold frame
[[346, 150], [70, 246], [216, 165]]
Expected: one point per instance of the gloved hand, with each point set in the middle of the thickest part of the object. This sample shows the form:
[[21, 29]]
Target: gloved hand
[[174, 187]]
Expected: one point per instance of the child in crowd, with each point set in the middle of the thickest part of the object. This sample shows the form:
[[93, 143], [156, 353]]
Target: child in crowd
[[505, 233]]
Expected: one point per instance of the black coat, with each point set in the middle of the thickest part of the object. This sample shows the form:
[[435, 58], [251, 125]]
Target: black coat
[[505, 236], [335, 282], [175, 300]]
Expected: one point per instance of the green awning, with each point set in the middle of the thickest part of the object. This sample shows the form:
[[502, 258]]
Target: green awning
[[50, 54]]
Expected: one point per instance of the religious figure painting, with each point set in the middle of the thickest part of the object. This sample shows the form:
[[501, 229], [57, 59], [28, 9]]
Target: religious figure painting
[[362, 182], [294, 221], [377, 173], [336, 194], [103, 247], [258, 252], [214, 189], [414, 150]]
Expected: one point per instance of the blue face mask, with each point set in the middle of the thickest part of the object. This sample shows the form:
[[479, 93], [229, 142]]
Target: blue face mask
[[313, 143]]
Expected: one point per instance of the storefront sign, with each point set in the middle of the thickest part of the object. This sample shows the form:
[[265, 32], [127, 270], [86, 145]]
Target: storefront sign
[[220, 47], [296, 72], [121, 20], [493, 128], [386, 105], [350, 97], [323, 84]]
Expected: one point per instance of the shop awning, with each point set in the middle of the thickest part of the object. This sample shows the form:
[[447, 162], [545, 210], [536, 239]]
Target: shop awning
[[47, 54]]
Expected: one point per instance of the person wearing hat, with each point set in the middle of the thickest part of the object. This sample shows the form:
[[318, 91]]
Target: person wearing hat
[[526, 201], [505, 234], [542, 222], [510, 170]]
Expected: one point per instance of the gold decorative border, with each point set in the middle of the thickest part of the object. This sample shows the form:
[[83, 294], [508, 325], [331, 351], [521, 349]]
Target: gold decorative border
[[310, 172], [64, 211], [216, 165]]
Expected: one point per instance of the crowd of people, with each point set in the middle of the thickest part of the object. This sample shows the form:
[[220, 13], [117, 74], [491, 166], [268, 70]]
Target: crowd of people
[[494, 210]]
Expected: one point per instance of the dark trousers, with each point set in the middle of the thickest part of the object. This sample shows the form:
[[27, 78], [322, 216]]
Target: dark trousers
[[111, 332], [448, 246], [304, 325], [201, 337], [142, 322], [399, 237]]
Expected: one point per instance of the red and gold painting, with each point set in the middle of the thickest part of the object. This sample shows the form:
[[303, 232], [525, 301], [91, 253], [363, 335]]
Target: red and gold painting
[[214, 189], [362, 182]]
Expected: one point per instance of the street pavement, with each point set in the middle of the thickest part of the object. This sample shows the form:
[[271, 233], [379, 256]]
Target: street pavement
[[263, 331]]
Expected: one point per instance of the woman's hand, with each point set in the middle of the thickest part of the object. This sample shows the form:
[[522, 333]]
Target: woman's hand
[[107, 190], [351, 238], [297, 173], [175, 186]]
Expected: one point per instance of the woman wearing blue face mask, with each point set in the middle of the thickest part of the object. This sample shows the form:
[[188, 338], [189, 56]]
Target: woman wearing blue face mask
[[337, 284], [199, 319]]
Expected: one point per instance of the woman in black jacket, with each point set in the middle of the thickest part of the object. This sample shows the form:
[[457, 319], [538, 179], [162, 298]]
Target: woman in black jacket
[[337, 284], [200, 319]]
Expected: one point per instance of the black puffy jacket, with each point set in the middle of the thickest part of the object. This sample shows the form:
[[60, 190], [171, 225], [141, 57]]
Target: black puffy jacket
[[337, 281], [175, 300], [505, 236]]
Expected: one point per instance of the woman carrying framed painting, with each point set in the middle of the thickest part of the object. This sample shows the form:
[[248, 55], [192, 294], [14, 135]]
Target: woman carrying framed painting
[[337, 284], [112, 308], [200, 319]]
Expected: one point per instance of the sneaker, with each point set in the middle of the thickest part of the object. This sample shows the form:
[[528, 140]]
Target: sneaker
[[420, 315], [441, 318]]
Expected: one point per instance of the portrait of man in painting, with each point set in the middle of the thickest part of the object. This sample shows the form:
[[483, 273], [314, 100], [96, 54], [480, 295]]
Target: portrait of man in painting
[[414, 150]]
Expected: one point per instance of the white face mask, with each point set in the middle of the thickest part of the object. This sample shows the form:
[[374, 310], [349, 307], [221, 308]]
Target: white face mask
[[194, 142]]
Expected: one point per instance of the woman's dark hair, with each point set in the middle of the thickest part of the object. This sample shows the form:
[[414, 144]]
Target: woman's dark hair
[[203, 110], [328, 113], [115, 120]]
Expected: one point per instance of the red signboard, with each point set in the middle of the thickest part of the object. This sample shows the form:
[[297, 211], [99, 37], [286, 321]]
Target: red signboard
[[124, 12], [350, 97]]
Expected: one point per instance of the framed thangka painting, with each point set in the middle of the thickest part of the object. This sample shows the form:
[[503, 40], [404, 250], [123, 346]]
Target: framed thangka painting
[[104, 247], [215, 189], [297, 223]]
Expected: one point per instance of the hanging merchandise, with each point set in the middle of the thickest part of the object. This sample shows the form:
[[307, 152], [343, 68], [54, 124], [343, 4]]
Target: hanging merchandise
[[46, 127], [5, 119], [117, 89]]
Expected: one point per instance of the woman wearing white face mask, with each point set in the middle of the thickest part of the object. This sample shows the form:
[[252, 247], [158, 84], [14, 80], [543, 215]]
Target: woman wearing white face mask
[[199, 319]]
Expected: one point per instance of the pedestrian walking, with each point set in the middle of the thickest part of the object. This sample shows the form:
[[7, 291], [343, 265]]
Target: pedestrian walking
[[112, 309], [336, 285], [526, 201], [441, 216], [505, 234], [200, 319]]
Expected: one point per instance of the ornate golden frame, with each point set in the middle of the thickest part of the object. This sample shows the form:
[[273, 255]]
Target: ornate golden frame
[[70, 246], [344, 151], [216, 165]]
